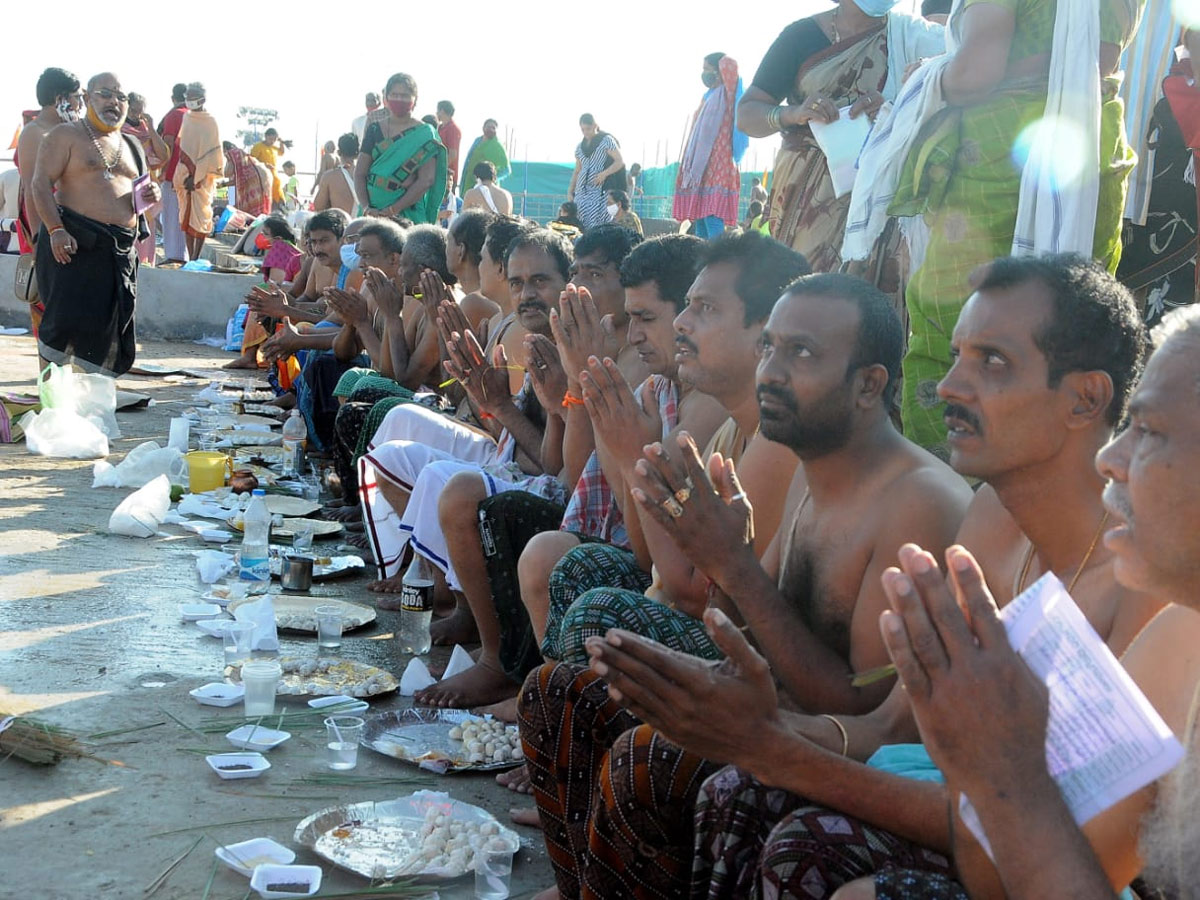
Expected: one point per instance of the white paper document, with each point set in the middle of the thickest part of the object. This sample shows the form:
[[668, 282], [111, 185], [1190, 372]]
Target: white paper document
[[842, 141], [1105, 741]]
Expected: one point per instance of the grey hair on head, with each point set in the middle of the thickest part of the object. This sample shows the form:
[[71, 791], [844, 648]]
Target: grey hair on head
[[197, 87], [1182, 322]]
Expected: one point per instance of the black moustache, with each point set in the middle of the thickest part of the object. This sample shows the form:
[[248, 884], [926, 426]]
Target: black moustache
[[954, 411], [681, 341], [776, 393]]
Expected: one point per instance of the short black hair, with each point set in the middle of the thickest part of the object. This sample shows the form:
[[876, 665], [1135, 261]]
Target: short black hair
[[570, 208], [587, 119], [714, 59], [1093, 324], [347, 144], [936, 7], [620, 198], [271, 131], [54, 83], [484, 171], [549, 242], [391, 236], [430, 119], [755, 209], [445, 106], [611, 241], [287, 163], [765, 269], [470, 228], [277, 226], [500, 233], [334, 220], [670, 261], [179, 91], [880, 340]]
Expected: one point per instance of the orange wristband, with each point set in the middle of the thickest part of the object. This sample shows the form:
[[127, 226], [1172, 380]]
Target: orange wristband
[[570, 399]]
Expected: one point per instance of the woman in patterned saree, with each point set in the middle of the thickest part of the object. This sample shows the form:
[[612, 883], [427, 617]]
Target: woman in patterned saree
[[401, 166], [835, 59]]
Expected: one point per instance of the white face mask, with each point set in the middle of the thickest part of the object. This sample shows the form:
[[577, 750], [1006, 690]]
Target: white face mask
[[612, 210], [193, 104], [66, 112]]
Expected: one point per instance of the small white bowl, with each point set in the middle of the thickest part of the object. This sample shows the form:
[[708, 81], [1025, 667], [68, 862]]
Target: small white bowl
[[256, 761], [345, 705], [245, 857], [216, 535], [251, 737], [268, 874], [194, 612], [215, 627], [218, 693]]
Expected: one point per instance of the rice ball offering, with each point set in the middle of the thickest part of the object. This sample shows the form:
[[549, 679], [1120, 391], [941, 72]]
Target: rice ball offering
[[487, 741]]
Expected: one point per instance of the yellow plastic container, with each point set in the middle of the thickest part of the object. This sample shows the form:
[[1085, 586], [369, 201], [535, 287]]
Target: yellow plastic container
[[207, 470]]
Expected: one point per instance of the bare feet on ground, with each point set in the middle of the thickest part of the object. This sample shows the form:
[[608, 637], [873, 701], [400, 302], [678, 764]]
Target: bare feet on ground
[[393, 585], [478, 685], [517, 781], [526, 816], [345, 513], [457, 628], [360, 542], [504, 711], [284, 401], [242, 362]]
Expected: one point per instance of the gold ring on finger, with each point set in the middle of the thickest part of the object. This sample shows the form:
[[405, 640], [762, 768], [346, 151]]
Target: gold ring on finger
[[673, 507], [685, 492]]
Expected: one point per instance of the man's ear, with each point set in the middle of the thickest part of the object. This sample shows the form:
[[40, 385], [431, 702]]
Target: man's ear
[[873, 380], [1090, 395]]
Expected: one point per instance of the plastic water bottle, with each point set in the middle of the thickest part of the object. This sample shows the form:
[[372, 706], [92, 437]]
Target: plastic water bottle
[[416, 606], [295, 441], [256, 536]]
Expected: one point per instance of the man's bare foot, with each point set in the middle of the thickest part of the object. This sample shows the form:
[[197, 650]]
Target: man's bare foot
[[358, 541], [516, 780], [504, 711], [550, 893], [393, 585], [526, 816], [479, 684], [354, 527], [242, 362], [342, 514], [456, 628], [284, 401]]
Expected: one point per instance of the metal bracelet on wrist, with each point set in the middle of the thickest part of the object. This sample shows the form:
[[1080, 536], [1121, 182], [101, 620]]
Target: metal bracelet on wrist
[[775, 118]]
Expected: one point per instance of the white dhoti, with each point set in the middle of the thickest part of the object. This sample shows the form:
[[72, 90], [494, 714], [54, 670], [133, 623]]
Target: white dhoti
[[423, 466], [174, 245]]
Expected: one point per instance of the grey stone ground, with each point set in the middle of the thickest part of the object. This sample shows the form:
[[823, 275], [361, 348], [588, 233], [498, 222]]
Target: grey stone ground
[[88, 621]]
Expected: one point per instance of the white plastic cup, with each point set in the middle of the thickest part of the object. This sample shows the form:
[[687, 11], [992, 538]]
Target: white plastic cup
[[237, 642], [260, 678], [342, 734], [178, 436], [302, 538], [493, 868], [329, 627]]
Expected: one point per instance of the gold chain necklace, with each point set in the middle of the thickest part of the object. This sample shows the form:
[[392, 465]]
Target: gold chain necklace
[[1019, 584], [108, 166]]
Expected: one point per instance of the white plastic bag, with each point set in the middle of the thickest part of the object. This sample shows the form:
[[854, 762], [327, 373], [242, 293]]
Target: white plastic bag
[[213, 565], [63, 433], [140, 514], [261, 613], [90, 396], [141, 465]]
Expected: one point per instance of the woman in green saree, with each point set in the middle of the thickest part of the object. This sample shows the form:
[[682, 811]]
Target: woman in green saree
[[401, 169]]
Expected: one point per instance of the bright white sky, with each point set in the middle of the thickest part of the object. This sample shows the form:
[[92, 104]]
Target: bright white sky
[[559, 61]]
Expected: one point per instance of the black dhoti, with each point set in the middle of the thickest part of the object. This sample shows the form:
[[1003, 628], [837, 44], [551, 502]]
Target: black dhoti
[[89, 320]]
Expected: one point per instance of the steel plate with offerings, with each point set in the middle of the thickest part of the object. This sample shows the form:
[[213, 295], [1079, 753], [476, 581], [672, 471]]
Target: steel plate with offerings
[[425, 834], [323, 677], [326, 568], [298, 613], [434, 739], [320, 528]]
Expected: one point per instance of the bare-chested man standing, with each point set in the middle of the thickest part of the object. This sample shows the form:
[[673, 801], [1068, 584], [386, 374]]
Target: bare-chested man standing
[[86, 254], [335, 188], [61, 101]]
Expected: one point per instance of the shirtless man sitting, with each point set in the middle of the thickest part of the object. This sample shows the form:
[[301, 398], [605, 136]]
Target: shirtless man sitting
[[486, 194], [335, 188], [1047, 352], [829, 363], [983, 717], [464, 254]]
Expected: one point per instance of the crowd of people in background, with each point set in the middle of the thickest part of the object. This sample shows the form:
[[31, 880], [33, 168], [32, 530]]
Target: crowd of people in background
[[683, 482]]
